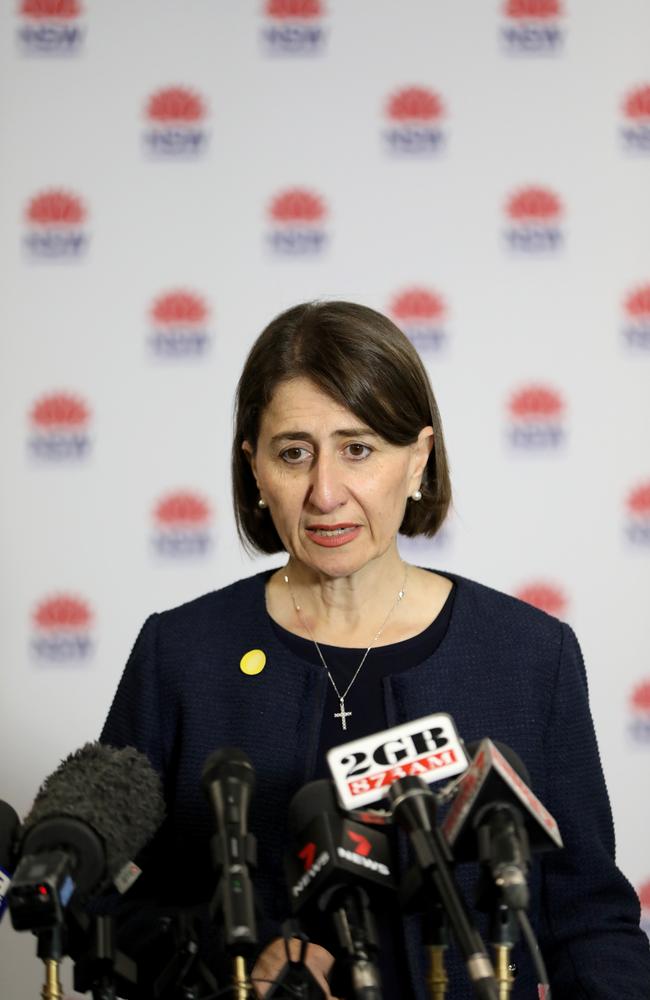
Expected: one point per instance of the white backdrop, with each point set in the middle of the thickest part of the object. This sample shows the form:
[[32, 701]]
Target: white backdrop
[[176, 173]]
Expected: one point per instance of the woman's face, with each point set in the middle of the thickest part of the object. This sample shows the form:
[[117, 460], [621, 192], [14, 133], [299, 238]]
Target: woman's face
[[335, 489]]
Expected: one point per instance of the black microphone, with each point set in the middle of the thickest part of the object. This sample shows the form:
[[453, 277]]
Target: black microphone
[[414, 808], [228, 781], [9, 831], [334, 868], [496, 819], [90, 817]]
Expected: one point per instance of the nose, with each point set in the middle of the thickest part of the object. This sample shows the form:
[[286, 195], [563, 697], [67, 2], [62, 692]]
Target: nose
[[327, 489]]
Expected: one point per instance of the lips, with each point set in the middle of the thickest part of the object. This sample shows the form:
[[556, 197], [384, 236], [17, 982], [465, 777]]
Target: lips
[[331, 535]]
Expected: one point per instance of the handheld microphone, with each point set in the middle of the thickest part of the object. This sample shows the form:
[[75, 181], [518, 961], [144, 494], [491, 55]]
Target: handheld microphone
[[334, 868], [228, 781], [96, 811], [9, 831], [414, 808], [496, 819]]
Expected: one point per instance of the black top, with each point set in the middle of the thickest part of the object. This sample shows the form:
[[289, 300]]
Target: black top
[[366, 703]]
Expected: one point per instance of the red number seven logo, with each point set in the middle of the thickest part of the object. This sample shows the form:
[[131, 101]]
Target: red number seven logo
[[363, 847]]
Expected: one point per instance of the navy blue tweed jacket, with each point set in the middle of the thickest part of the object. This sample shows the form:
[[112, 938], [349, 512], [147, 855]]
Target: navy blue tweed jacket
[[504, 670]]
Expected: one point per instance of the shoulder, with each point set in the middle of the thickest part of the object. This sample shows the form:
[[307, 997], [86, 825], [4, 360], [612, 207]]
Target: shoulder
[[218, 609]]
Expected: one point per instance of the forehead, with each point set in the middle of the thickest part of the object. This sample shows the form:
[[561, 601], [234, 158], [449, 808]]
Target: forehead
[[301, 400]]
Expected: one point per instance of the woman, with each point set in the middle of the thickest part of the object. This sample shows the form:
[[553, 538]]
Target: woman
[[338, 447]]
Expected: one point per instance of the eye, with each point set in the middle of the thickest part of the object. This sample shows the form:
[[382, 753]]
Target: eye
[[357, 451], [293, 456]]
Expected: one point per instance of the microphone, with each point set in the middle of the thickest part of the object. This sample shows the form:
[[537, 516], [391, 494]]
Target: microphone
[[335, 865], [228, 781], [9, 831], [496, 819], [414, 808], [90, 816]]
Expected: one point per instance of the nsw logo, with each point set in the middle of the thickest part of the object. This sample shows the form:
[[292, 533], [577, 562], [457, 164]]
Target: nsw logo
[[420, 313], [532, 27], [297, 223], [59, 428], [179, 325], [635, 128], [637, 505], [640, 713], [545, 596], [182, 525], [175, 124], [414, 117], [533, 221], [55, 226], [50, 27], [62, 629], [293, 28], [536, 418], [644, 899], [636, 327]]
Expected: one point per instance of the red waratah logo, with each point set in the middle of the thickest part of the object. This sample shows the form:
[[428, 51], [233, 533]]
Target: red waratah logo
[[636, 330], [61, 629], [414, 115], [297, 216], [293, 27], [420, 312], [528, 9], [644, 895], [635, 130], [175, 105], [536, 417], [176, 117], [532, 27], [544, 596], [638, 500], [534, 204], [180, 325], [640, 717], [59, 411], [55, 208], [298, 10], [59, 428], [62, 613], [182, 520], [533, 215], [640, 699], [46, 9], [637, 505], [414, 104]]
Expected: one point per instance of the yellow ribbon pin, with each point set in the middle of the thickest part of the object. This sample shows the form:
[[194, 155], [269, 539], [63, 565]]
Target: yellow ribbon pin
[[252, 662]]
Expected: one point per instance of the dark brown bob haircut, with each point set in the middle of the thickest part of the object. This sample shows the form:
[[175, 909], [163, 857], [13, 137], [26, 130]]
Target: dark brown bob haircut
[[363, 362]]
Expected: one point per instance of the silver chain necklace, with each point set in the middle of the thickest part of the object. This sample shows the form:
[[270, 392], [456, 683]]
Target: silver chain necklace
[[342, 714]]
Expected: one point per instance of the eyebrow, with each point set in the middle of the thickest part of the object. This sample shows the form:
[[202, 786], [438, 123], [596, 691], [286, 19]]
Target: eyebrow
[[307, 436]]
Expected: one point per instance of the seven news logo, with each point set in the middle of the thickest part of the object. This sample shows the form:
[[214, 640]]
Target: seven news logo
[[640, 706], [59, 429], [179, 325], [293, 28], [545, 596], [636, 329], [50, 27], [637, 506], [414, 116], [55, 226], [182, 525], [176, 124], [533, 221], [532, 27], [62, 629], [635, 130], [297, 217], [420, 313], [536, 418]]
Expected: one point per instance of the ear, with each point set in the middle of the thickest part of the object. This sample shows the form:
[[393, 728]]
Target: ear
[[421, 451], [249, 452]]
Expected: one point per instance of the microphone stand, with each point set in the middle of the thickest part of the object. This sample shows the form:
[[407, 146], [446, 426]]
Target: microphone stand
[[504, 933], [436, 937], [50, 950]]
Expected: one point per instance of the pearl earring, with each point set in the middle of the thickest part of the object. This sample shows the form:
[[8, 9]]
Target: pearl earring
[[416, 495], [262, 504]]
